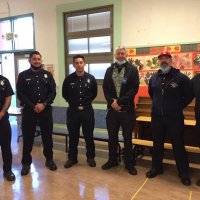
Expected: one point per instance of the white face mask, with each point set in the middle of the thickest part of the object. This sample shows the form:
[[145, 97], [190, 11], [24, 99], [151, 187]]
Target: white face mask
[[165, 69], [120, 62]]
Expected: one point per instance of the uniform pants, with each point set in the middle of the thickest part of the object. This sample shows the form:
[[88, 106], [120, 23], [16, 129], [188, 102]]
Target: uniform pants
[[5, 142], [174, 127], [127, 121], [198, 129], [29, 121], [75, 119]]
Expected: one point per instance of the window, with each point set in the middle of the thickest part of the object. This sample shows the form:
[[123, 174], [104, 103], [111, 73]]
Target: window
[[23, 28], [5, 27], [17, 33], [90, 33]]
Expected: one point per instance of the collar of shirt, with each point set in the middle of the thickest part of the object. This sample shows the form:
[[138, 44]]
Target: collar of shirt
[[81, 77], [39, 71], [166, 74]]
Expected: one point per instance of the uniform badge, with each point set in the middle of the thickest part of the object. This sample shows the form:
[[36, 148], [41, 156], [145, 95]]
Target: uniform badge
[[45, 76], [174, 85], [2, 82], [88, 81]]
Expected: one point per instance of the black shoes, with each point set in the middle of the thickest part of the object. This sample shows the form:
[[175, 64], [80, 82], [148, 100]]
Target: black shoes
[[9, 176], [50, 164], [185, 180], [70, 163], [131, 169], [109, 165], [91, 162], [153, 173], [25, 170]]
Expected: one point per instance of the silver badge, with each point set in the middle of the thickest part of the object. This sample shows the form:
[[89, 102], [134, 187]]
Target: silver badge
[[2, 82], [88, 81], [45, 75], [174, 85]]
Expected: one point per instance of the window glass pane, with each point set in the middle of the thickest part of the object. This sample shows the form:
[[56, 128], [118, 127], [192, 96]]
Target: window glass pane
[[23, 33], [98, 70], [72, 69], [5, 28], [99, 20], [0, 65], [99, 44], [23, 65], [8, 70], [78, 46], [77, 23]]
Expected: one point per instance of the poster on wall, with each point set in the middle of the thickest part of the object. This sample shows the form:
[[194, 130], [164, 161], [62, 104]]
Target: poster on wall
[[147, 64], [49, 68], [184, 57]]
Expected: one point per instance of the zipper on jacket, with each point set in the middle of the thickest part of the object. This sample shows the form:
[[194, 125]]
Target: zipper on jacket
[[163, 91]]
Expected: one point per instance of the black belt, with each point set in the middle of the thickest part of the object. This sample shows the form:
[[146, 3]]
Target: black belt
[[80, 107]]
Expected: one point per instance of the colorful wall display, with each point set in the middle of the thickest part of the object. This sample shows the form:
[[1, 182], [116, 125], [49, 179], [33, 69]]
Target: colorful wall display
[[185, 57]]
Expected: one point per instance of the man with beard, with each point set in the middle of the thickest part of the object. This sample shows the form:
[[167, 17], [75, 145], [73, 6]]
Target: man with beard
[[171, 92], [36, 89]]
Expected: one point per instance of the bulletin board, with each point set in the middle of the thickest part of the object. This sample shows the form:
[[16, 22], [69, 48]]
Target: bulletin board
[[185, 57]]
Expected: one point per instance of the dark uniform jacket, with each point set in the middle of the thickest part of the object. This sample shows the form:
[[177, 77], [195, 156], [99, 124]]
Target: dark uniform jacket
[[170, 93], [36, 87], [79, 90], [5, 90], [129, 87], [196, 92]]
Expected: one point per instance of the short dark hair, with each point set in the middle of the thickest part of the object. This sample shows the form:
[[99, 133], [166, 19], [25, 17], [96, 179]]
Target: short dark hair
[[78, 56], [34, 53]]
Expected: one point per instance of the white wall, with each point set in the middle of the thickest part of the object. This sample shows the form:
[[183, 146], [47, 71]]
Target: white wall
[[155, 22], [144, 23], [45, 24]]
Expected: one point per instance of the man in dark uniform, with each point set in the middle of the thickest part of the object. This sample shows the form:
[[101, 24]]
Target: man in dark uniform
[[171, 92], [79, 90], [196, 91], [36, 89], [6, 93], [120, 86]]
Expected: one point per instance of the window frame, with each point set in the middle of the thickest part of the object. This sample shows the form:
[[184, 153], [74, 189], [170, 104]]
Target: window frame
[[12, 21], [91, 58]]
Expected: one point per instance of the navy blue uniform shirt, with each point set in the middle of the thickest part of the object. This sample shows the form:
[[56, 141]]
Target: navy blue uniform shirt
[[79, 90], [170, 93], [5, 90], [196, 93], [36, 87]]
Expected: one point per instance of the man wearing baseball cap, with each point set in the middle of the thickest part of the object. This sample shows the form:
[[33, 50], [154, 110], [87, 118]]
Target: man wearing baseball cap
[[171, 92]]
